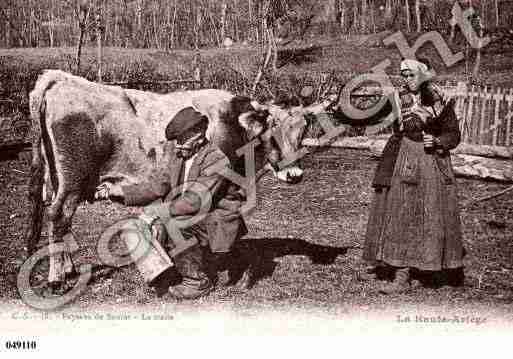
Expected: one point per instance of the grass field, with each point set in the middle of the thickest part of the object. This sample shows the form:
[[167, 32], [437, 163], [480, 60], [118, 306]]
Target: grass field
[[304, 244]]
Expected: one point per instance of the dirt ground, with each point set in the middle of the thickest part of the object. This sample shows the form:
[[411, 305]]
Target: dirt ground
[[304, 245]]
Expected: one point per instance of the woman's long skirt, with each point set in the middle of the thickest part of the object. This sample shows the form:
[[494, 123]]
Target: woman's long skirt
[[416, 223]]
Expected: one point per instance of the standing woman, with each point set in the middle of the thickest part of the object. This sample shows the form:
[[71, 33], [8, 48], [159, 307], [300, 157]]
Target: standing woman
[[414, 222]]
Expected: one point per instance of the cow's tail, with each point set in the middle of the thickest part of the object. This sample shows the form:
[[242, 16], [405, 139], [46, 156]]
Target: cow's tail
[[37, 170]]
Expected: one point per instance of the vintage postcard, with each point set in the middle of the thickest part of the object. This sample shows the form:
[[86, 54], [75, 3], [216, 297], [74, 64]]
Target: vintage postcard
[[255, 170]]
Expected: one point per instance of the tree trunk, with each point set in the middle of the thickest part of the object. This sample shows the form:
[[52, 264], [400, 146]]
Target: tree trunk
[[79, 46], [500, 152], [99, 44], [138, 38], [407, 9], [482, 15], [156, 27], [250, 21], [107, 36], [173, 24], [115, 36], [364, 17], [197, 27], [236, 27], [342, 12], [377, 144], [373, 20], [83, 14], [453, 32], [224, 7], [31, 32], [482, 168], [388, 12], [24, 32], [417, 15], [464, 165], [496, 13], [477, 64], [8, 28], [268, 57], [139, 14], [274, 47], [355, 16]]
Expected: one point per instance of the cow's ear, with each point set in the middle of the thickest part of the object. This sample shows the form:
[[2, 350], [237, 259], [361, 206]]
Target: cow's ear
[[253, 126], [216, 112], [241, 104]]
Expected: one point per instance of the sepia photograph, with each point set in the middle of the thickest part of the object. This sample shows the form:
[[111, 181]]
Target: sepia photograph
[[254, 168]]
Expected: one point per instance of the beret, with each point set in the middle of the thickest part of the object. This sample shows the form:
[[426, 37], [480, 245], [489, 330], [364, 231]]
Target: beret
[[183, 121]]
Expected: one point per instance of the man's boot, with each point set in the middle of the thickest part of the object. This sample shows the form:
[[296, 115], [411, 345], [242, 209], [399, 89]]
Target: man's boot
[[196, 283], [217, 267], [400, 284]]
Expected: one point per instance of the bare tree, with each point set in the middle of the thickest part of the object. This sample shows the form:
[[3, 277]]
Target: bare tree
[[388, 12], [483, 14], [342, 14], [268, 18], [224, 7], [99, 28], [496, 13], [197, 26], [51, 24], [156, 24], [250, 20], [6, 14], [355, 15], [407, 9], [364, 17], [82, 14], [372, 19], [417, 15], [173, 23]]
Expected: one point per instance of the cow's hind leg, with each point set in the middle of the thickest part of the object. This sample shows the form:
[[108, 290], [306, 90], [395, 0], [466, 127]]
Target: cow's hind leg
[[74, 139], [60, 219]]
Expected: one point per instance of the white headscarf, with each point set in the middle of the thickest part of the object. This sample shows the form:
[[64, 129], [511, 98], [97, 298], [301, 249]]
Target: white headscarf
[[414, 66]]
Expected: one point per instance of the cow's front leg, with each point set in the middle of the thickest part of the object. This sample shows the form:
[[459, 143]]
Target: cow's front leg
[[55, 273]]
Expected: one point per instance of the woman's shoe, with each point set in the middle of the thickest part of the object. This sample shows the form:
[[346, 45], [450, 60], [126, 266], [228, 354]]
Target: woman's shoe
[[400, 284]]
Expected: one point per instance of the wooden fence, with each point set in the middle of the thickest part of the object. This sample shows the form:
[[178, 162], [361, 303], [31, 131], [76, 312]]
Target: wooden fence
[[485, 114]]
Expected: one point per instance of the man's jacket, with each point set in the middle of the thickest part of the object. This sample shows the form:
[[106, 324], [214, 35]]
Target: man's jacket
[[223, 222]]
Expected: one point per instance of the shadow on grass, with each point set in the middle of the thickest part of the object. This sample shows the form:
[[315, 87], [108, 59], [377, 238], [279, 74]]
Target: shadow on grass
[[253, 259], [99, 273]]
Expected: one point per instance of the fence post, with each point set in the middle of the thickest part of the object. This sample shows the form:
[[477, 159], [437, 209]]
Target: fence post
[[470, 121], [197, 71], [461, 95], [484, 95], [497, 97], [509, 100]]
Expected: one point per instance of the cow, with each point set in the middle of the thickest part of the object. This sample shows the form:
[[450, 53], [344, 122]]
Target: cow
[[87, 133]]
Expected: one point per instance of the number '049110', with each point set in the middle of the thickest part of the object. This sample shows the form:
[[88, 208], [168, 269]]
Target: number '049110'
[[20, 345]]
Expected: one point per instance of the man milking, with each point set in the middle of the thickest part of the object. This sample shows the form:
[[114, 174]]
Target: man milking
[[193, 210]]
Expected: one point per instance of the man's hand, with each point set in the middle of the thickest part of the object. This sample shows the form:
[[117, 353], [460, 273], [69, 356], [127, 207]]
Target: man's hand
[[108, 190], [157, 227], [429, 140]]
